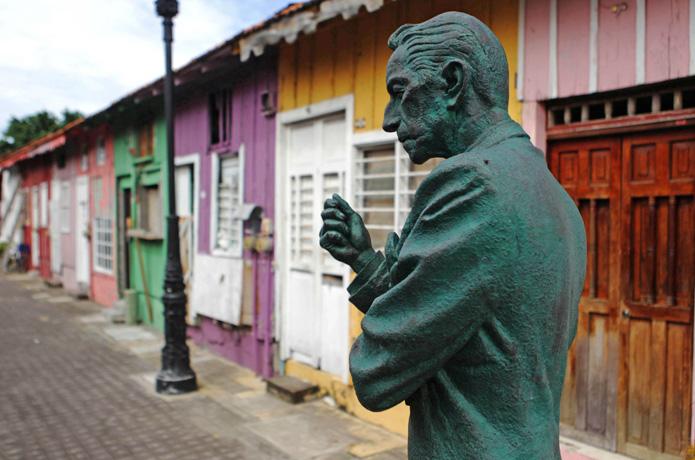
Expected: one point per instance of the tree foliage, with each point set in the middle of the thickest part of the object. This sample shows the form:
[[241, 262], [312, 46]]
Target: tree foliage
[[21, 131]]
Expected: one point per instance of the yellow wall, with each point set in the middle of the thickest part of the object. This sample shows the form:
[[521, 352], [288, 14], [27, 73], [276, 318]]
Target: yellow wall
[[345, 57]]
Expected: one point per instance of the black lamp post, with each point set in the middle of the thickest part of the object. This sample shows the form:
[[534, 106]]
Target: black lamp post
[[176, 375]]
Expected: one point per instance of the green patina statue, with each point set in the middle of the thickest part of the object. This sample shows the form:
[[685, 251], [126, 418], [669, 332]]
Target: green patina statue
[[470, 313]]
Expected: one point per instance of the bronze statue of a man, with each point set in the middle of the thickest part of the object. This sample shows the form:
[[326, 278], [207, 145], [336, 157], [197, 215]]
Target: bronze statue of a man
[[470, 313]]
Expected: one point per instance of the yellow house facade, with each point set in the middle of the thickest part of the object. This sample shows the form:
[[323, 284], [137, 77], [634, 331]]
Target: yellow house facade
[[331, 97]]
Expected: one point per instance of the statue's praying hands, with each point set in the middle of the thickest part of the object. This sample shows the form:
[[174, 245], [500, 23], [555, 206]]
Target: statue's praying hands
[[344, 234]]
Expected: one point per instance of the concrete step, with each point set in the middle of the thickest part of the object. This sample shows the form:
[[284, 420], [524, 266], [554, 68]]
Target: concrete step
[[291, 389]]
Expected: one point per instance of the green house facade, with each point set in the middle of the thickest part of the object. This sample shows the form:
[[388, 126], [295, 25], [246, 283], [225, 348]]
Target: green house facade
[[141, 188]]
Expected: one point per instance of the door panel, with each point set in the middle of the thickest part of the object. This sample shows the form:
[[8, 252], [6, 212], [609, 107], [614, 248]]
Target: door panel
[[82, 246], [54, 222], [658, 220], [184, 211], [590, 172], [628, 382], [316, 304]]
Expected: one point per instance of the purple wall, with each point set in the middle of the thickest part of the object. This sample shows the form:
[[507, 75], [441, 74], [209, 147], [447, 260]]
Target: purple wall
[[256, 131]]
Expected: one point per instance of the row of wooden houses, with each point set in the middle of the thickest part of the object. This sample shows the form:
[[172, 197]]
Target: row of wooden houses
[[289, 111]]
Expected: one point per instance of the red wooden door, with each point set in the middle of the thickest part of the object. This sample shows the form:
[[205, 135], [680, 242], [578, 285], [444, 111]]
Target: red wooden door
[[628, 382], [44, 253], [656, 302], [590, 172]]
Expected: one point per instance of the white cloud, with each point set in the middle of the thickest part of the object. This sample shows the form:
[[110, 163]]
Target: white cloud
[[84, 54]]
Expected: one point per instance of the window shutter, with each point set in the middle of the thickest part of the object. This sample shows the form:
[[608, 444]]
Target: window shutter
[[229, 204], [301, 218]]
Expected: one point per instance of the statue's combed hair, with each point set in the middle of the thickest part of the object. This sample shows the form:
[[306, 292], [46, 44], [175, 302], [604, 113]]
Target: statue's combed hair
[[432, 43]]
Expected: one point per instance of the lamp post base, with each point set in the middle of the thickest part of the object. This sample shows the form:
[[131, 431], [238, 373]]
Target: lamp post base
[[172, 383]]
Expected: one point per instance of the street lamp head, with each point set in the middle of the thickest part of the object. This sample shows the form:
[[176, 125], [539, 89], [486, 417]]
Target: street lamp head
[[167, 8]]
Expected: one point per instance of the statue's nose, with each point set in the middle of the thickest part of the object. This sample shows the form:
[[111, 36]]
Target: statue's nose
[[391, 121]]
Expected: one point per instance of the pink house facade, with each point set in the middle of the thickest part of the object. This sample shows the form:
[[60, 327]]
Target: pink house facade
[[608, 93]]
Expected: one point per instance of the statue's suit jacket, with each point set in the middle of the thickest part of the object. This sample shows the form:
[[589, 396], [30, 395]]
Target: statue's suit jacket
[[470, 314]]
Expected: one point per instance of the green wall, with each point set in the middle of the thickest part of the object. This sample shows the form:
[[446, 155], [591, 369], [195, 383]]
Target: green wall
[[133, 172]]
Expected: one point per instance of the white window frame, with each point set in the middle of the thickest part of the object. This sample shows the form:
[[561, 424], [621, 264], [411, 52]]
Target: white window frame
[[376, 139], [193, 160], [84, 158], [101, 151], [237, 251], [96, 233], [65, 206]]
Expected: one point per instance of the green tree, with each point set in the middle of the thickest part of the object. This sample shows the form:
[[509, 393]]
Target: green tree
[[21, 131]]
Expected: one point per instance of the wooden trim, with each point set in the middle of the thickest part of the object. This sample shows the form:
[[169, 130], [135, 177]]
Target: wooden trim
[[521, 46], [593, 47], [671, 119], [552, 50], [640, 43]]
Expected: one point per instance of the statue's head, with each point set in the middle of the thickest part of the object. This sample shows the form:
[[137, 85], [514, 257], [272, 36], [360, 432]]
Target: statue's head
[[443, 72]]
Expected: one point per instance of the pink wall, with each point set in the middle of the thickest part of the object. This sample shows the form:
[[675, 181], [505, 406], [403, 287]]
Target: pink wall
[[572, 46], [67, 240], [536, 49], [616, 47], [103, 286], [665, 40]]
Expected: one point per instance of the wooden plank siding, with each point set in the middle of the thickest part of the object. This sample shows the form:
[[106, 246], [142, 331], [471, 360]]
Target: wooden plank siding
[[637, 42], [249, 347], [345, 57]]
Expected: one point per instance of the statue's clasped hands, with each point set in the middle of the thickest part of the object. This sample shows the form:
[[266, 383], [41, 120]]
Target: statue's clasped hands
[[344, 234]]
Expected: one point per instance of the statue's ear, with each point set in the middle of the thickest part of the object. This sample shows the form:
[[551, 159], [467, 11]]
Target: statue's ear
[[456, 80]]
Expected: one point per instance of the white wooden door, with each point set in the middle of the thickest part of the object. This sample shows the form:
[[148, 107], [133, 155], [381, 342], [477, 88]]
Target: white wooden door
[[54, 225], [81, 229], [184, 209], [315, 301], [35, 243]]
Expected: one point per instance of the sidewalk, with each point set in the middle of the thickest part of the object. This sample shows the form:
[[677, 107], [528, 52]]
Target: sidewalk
[[79, 386]]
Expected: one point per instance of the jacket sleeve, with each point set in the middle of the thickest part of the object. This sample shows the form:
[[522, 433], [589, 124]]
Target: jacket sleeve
[[443, 289]]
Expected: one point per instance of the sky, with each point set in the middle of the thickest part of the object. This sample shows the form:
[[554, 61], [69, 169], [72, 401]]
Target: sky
[[85, 54]]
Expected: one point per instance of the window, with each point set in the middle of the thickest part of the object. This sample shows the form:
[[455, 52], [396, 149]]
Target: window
[[96, 192], [103, 244], [101, 151], [150, 210], [84, 157], [385, 185], [145, 139], [228, 236], [220, 111], [65, 207]]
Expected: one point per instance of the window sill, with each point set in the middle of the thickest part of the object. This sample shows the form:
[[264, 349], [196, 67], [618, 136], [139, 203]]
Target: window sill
[[220, 148], [226, 254], [142, 160], [144, 235]]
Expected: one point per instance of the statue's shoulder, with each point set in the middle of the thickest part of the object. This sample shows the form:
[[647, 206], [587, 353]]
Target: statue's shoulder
[[454, 175]]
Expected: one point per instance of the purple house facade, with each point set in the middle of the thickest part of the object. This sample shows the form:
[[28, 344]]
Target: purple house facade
[[225, 176]]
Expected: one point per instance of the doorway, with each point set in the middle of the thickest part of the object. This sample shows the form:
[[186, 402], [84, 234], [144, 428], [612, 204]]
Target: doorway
[[82, 246], [124, 219], [315, 303], [629, 372], [185, 199]]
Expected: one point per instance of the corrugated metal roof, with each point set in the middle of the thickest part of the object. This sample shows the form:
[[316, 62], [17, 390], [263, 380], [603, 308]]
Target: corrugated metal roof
[[44, 144], [299, 18]]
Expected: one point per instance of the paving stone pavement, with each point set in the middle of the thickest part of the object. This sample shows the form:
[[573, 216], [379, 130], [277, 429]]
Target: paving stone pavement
[[73, 386]]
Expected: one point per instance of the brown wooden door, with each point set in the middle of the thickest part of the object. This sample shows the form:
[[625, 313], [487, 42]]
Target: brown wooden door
[[656, 302], [629, 371], [590, 172]]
